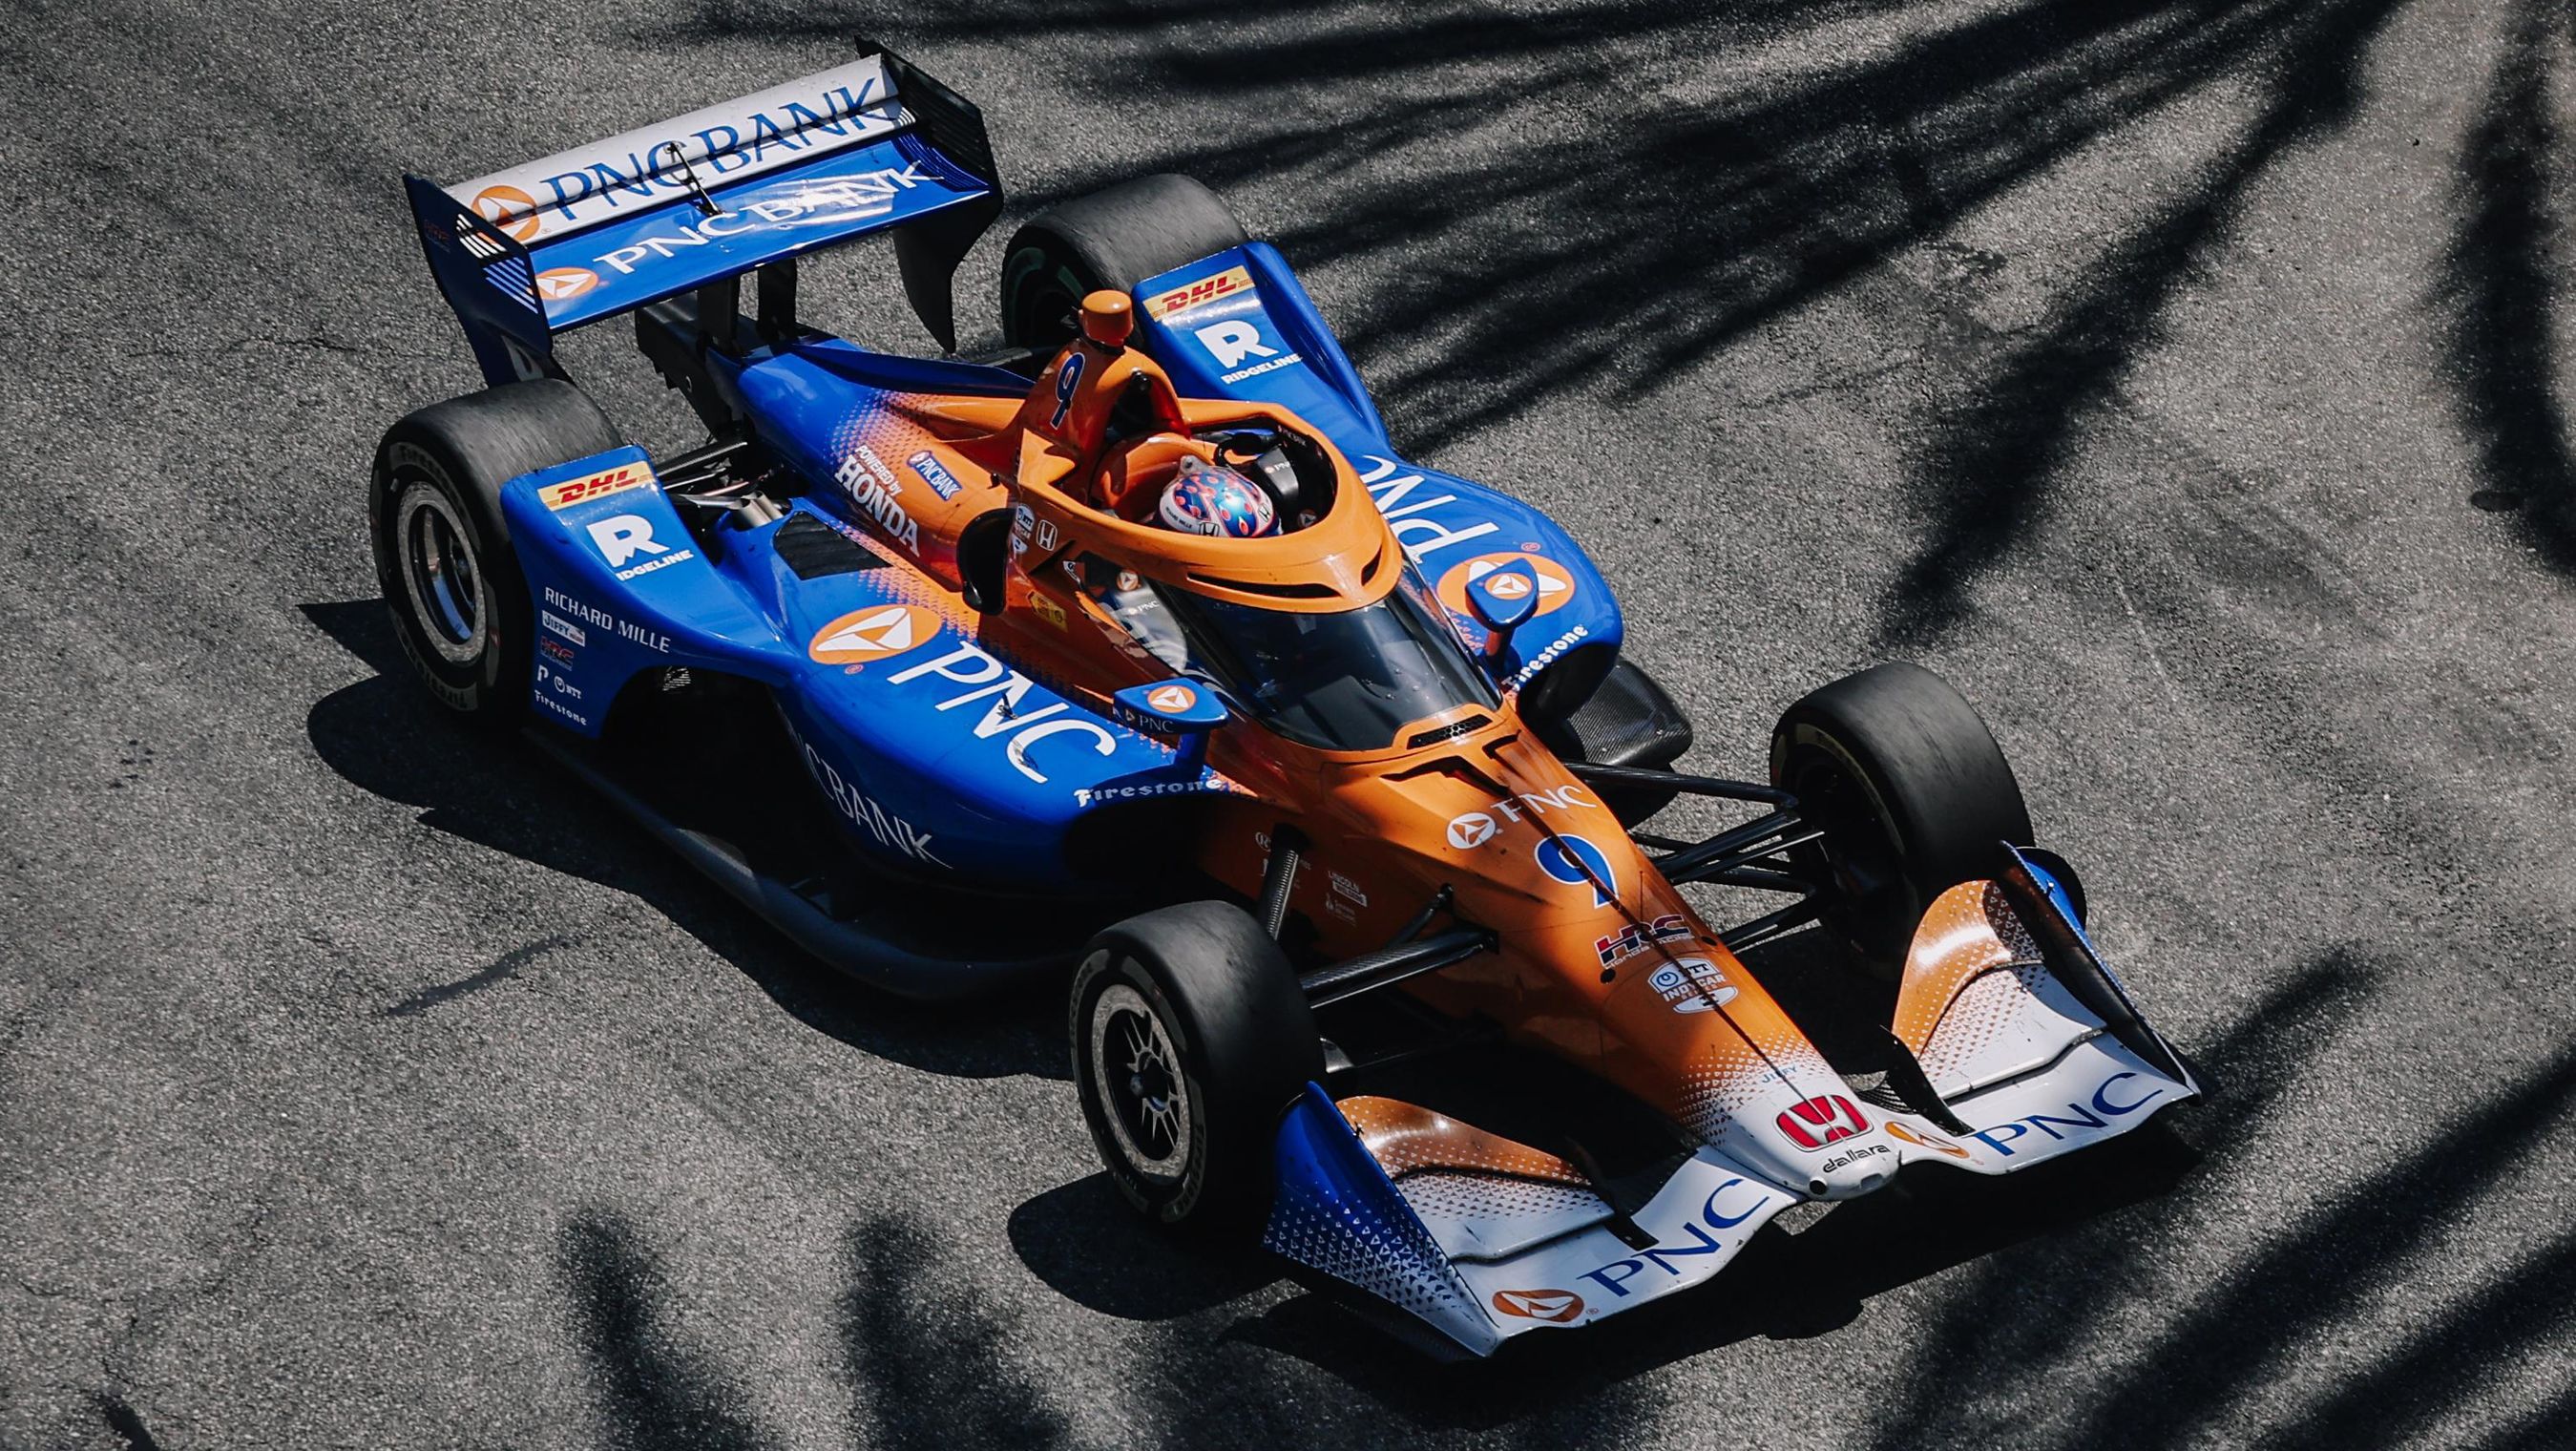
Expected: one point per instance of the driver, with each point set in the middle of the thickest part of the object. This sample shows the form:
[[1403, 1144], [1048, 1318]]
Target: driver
[[1210, 498]]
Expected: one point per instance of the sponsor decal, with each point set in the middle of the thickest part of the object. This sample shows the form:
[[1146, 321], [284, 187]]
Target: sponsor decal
[[1578, 862], [1555, 582], [823, 201], [563, 627], [597, 618], [1557, 1307], [1636, 937], [1341, 909], [561, 709], [1024, 520], [872, 486], [890, 831], [562, 284], [1475, 828], [1421, 535], [876, 633], [1047, 610], [737, 139], [593, 486], [1706, 1233], [1858, 1153], [557, 651], [1344, 886], [621, 537], [1067, 378], [934, 473], [1173, 698], [1234, 343], [510, 210], [1820, 1121], [1547, 657], [1923, 1139], [2108, 1102], [1208, 782], [1232, 282], [547, 676], [1046, 537], [1471, 829], [1020, 728], [1692, 985]]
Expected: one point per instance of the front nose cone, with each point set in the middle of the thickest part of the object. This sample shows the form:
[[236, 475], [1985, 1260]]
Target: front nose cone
[[1854, 1168]]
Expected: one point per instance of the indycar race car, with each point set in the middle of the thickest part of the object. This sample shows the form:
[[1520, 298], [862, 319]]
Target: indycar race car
[[1328, 796]]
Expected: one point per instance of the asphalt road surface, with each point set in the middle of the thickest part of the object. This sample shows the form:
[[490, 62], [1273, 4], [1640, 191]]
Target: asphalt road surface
[[2183, 378]]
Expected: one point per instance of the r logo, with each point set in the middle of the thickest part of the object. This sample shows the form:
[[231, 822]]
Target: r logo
[[1233, 341], [621, 537]]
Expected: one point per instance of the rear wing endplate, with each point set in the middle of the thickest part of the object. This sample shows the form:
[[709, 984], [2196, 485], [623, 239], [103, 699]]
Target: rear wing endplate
[[604, 229]]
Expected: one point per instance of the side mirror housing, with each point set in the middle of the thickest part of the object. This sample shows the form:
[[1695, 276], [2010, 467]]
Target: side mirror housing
[[1502, 600], [1176, 707]]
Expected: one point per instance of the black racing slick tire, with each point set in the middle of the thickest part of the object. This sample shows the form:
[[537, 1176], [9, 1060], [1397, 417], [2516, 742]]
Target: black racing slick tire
[[1913, 796], [1113, 238], [1190, 1038], [460, 606]]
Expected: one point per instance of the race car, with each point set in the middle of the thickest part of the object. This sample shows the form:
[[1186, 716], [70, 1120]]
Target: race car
[[1137, 655]]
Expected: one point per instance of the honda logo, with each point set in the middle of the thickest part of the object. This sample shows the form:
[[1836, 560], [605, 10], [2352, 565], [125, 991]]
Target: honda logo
[[1821, 1121]]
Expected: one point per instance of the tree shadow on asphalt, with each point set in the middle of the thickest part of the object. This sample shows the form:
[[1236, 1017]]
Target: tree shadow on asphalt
[[1603, 196], [2062, 1255], [2500, 280], [386, 736]]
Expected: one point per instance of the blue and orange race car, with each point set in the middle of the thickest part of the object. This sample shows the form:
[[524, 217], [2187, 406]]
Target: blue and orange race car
[[1335, 823]]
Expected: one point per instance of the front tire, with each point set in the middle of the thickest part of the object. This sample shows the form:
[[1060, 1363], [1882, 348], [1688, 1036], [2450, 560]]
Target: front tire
[[460, 606], [1190, 1038], [1114, 238], [1913, 794]]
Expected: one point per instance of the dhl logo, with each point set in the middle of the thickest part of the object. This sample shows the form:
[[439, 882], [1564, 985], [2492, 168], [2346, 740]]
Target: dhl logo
[[592, 486], [1229, 283]]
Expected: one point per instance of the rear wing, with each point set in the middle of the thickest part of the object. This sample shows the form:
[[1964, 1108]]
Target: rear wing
[[698, 200]]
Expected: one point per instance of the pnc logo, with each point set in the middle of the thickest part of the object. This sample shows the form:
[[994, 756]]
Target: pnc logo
[[592, 486], [1173, 699], [511, 210], [1555, 585], [1821, 1121], [1558, 1307], [556, 284], [872, 634], [1470, 829]]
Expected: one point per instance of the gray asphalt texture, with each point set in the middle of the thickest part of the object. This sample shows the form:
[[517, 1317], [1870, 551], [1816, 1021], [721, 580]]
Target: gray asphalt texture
[[2180, 377]]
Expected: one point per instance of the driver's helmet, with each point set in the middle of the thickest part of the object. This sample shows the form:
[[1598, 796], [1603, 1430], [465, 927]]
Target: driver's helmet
[[1206, 498]]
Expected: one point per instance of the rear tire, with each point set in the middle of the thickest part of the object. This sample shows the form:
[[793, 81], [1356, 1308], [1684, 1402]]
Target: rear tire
[[1113, 238], [1190, 1039], [1913, 793], [460, 605]]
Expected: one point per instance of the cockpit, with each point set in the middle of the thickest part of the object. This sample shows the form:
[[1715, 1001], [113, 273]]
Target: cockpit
[[1346, 680]]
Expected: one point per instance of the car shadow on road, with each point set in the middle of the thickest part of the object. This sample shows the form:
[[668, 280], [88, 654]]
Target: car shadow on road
[[385, 735]]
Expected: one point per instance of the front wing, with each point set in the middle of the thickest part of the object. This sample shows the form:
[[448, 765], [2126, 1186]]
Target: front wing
[[1471, 1239]]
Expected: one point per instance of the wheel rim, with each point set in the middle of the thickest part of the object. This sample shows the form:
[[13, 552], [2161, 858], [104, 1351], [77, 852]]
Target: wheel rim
[[1136, 1077], [442, 578]]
